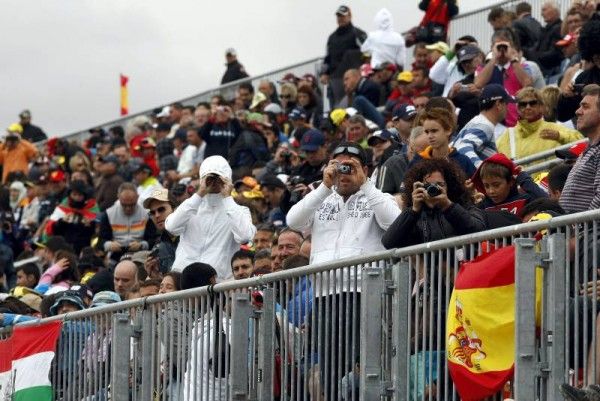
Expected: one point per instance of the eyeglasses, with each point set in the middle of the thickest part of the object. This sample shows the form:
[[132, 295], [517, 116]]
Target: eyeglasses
[[346, 149], [530, 103], [285, 96], [159, 210]]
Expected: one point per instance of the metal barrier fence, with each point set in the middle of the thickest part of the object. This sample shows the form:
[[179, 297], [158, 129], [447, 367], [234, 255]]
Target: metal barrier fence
[[366, 328]]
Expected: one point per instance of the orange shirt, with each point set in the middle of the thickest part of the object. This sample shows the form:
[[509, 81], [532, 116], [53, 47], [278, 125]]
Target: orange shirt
[[16, 159]]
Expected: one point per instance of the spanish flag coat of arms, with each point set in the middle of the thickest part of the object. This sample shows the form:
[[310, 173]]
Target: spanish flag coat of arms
[[480, 338]]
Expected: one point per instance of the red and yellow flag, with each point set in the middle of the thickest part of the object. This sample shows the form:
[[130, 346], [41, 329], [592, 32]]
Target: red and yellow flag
[[124, 97], [480, 338]]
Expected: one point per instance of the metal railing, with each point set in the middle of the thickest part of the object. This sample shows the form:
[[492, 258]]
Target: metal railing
[[366, 328]]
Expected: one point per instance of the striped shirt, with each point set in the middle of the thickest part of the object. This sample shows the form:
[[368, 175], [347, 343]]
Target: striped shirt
[[582, 188]]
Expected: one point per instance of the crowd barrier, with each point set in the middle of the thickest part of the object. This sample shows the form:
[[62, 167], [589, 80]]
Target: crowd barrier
[[366, 328]]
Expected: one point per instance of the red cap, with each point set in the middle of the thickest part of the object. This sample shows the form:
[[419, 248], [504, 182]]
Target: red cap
[[498, 158], [57, 176]]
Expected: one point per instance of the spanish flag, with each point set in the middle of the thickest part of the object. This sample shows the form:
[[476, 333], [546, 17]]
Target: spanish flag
[[480, 341], [124, 98]]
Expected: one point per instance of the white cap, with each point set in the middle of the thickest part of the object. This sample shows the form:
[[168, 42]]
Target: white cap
[[215, 165]]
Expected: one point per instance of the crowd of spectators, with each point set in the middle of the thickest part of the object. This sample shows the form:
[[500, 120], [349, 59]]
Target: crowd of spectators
[[272, 179]]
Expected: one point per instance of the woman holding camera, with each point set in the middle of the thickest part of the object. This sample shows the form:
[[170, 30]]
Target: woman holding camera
[[437, 206]]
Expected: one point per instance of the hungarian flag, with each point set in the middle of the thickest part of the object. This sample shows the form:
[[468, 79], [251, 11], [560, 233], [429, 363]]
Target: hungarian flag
[[480, 340], [124, 96], [25, 360]]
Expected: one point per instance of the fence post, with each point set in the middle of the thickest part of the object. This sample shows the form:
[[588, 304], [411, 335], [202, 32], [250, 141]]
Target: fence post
[[240, 315], [373, 284], [119, 380], [265, 347], [555, 288], [147, 332], [400, 330], [525, 363]]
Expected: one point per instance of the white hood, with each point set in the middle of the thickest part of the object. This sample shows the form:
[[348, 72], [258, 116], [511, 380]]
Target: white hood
[[384, 20], [215, 165]]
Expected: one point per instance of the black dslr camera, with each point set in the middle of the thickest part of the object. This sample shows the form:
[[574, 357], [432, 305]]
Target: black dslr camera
[[432, 190]]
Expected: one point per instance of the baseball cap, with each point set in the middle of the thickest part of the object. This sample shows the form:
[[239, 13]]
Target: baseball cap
[[215, 165], [468, 52], [573, 152], [312, 140], [404, 112], [342, 10], [405, 76], [164, 112], [57, 176], [33, 301], [105, 298], [14, 130], [272, 181], [25, 114], [70, 296], [159, 194], [496, 158], [230, 52], [273, 108], [297, 113], [337, 116], [352, 149], [257, 99], [289, 78], [385, 66], [382, 134], [440, 46], [143, 167], [569, 38], [247, 180], [493, 92], [140, 257], [147, 143], [109, 159]]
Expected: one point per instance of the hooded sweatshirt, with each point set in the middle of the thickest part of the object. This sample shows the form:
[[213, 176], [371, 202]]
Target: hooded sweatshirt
[[211, 228], [384, 44]]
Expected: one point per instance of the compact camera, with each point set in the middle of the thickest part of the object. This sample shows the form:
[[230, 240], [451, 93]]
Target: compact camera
[[432, 190], [344, 169]]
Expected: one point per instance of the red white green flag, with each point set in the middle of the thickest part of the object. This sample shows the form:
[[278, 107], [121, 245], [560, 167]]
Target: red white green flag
[[25, 360]]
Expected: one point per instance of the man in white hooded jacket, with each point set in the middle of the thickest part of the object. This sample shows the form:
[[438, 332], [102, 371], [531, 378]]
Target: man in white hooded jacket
[[210, 225], [385, 44]]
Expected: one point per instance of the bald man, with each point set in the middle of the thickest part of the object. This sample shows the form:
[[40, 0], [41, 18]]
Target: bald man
[[125, 278]]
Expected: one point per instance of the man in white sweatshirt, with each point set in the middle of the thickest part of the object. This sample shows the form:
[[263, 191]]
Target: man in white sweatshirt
[[347, 216], [210, 224]]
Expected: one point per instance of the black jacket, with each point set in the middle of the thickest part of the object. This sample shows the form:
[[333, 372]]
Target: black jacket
[[411, 228], [166, 245], [233, 72], [33, 133], [343, 50], [370, 90], [546, 54], [566, 107], [391, 176], [309, 173], [219, 137], [528, 30], [249, 148]]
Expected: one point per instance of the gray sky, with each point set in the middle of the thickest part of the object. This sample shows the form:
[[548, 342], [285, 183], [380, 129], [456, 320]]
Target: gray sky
[[62, 59]]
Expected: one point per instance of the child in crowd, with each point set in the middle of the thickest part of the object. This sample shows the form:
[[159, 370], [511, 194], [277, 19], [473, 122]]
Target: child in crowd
[[504, 185]]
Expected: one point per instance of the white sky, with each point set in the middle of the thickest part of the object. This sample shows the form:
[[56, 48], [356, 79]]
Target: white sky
[[62, 58]]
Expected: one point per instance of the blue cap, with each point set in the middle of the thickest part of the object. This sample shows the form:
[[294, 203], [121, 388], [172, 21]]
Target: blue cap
[[70, 296], [297, 113], [312, 140], [384, 135], [404, 112], [493, 92], [105, 298]]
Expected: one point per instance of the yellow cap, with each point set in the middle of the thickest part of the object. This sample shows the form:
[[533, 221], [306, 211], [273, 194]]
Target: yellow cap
[[15, 128], [405, 76], [337, 116], [441, 47]]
